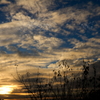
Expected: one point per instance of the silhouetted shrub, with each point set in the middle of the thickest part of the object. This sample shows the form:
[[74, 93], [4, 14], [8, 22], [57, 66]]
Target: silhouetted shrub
[[63, 86]]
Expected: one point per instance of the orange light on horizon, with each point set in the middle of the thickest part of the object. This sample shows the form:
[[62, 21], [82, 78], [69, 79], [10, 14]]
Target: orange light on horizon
[[7, 89]]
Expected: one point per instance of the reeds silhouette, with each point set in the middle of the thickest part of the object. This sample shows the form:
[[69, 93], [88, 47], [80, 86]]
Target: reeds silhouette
[[63, 86]]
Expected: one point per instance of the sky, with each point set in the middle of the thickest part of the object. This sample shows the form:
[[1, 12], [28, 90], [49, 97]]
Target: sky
[[42, 33]]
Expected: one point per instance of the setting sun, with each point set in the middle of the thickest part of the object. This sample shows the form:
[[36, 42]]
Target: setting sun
[[6, 89]]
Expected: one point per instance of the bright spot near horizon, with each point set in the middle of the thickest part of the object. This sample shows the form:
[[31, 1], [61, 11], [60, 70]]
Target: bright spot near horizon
[[6, 89]]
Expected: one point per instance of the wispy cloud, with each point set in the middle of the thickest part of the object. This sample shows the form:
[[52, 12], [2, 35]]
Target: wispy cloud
[[37, 36], [4, 2]]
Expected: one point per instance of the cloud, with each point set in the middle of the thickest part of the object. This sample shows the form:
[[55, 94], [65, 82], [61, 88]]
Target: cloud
[[21, 16], [33, 4], [49, 18], [70, 13], [20, 21], [8, 36], [4, 2], [71, 27], [97, 11], [47, 42], [14, 39], [9, 62], [36, 36]]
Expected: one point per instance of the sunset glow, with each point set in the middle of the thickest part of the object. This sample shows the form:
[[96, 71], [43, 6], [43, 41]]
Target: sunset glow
[[6, 89]]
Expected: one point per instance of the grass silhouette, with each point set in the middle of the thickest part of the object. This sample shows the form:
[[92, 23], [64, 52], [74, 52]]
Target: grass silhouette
[[61, 86]]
